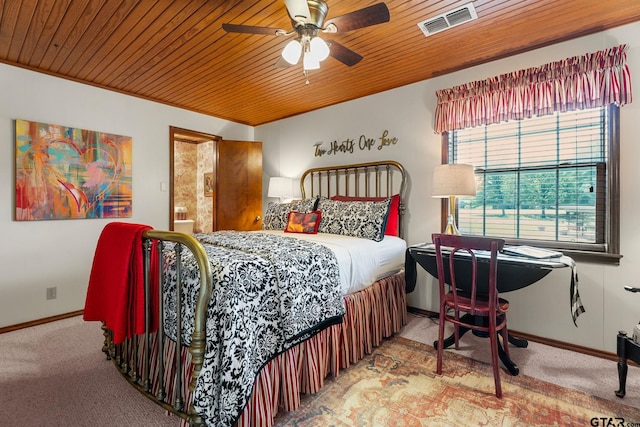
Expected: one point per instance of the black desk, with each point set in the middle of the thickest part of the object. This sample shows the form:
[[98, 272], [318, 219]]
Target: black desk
[[514, 272]]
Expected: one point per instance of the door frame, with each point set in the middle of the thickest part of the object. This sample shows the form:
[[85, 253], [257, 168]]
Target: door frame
[[188, 136]]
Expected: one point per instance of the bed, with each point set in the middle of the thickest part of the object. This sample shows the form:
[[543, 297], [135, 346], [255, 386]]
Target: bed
[[313, 292]]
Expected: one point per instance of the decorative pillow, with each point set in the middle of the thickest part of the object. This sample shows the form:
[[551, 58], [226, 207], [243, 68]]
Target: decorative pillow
[[354, 218], [275, 217], [303, 222], [393, 221]]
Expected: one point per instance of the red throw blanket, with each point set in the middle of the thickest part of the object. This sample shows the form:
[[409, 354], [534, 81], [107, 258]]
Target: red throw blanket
[[116, 285]]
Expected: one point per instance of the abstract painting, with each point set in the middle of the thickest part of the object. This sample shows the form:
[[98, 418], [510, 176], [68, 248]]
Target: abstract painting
[[70, 173]]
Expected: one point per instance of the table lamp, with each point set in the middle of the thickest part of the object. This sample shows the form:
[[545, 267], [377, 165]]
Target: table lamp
[[453, 180], [280, 187]]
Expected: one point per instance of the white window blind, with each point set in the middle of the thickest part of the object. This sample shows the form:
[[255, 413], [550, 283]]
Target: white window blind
[[543, 178]]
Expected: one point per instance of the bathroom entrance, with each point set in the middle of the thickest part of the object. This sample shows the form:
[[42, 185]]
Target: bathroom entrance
[[215, 184]]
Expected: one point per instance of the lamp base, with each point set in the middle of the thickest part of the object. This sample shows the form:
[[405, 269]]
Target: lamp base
[[451, 226], [451, 219]]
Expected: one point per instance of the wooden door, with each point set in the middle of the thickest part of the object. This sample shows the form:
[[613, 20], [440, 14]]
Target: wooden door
[[238, 194]]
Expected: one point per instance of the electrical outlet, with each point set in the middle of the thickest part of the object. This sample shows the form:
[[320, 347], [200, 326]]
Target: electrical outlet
[[52, 293]]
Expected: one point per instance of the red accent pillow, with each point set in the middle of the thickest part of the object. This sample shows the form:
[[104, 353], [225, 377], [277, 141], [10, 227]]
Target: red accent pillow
[[393, 220], [303, 222]]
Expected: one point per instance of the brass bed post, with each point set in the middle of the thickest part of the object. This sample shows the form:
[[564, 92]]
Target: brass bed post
[[389, 179], [328, 183], [106, 346], [124, 355], [147, 314], [178, 352], [161, 395], [198, 338], [376, 175], [133, 357], [302, 188], [367, 180]]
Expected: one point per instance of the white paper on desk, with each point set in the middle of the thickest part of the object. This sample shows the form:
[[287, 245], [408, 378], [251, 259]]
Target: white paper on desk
[[531, 252]]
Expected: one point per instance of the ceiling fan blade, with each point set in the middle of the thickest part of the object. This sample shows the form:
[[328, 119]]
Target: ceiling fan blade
[[249, 29], [344, 54], [371, 15], [298, 10]]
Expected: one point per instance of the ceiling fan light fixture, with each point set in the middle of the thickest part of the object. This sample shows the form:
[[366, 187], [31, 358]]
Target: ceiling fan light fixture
[[319, 49], [308, 20], [309, 62], [291, 52]]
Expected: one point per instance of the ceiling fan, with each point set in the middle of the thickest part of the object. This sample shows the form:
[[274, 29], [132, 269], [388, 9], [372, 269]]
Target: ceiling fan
[[307, 19]]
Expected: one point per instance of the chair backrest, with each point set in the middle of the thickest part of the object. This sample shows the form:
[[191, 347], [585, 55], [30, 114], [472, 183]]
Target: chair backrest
[[467, 245]]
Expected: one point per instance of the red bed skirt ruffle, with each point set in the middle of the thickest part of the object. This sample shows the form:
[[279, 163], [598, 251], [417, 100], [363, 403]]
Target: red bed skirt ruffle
[[371, 315]]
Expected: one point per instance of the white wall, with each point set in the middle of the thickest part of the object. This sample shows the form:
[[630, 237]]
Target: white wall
[[407, 113], [35, 255]]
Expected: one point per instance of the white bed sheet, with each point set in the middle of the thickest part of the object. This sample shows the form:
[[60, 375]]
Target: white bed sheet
[[361, 261]]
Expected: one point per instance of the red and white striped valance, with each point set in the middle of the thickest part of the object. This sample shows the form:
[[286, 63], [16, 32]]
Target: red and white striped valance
[[591, 80]]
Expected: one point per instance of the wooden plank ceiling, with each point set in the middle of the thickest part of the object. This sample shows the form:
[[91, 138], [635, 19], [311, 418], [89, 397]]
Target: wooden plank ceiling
[[176, 52]]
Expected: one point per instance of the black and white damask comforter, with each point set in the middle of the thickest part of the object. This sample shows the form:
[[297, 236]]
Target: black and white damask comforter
[[270, 293]]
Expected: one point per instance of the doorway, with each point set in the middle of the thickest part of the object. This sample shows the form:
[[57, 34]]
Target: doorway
[[215, 183], [191, 174]]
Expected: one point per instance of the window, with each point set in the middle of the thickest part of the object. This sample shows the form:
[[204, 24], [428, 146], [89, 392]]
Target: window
[[548, 181]]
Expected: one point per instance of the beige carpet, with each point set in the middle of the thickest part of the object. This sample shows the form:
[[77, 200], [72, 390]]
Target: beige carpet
[[55, 375], [396, 386]]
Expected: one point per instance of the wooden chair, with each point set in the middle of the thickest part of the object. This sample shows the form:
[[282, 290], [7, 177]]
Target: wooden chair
[[475, 295]]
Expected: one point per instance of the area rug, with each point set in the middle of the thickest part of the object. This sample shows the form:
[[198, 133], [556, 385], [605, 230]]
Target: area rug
[[397, 386]]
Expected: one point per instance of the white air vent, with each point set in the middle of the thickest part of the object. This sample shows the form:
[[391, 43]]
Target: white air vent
[[448, 19]]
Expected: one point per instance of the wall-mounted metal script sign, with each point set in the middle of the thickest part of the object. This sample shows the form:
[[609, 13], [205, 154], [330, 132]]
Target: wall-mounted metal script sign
[[351, 145]]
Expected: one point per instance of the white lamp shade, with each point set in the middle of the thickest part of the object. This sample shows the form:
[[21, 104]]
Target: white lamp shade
[[291, 52], [319, 49], [453, 180], [280, 187]]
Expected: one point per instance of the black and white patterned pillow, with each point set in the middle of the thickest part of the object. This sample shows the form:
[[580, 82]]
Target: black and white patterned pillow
[[275, 217], [354, 218]]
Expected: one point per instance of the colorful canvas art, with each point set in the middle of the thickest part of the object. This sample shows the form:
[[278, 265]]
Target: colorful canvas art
[[69, 173]]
